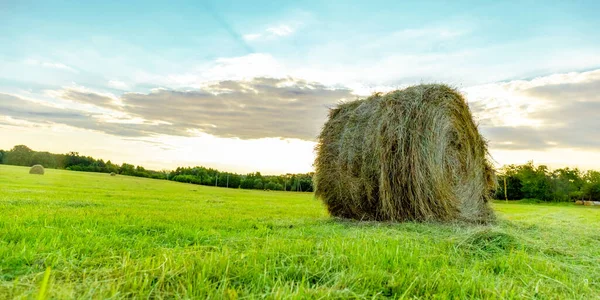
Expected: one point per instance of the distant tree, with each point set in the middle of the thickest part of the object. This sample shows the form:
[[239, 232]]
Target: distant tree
[[252, 181], [19, 155], [127, 169], [535, 182], [305, 183], [235, 181], [591, 189], [45, 159], [566, 184], [514, 185], [258, 185], [111, 168], [208, 180], [271, 186]]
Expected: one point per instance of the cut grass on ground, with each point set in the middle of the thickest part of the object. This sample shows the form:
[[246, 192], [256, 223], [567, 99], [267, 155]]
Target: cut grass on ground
[[102, 236]]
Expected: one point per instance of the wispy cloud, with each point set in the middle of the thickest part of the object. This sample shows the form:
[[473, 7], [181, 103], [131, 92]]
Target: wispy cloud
[[226, 68], [120, 85], [271, 33], [52, 65], [252, 36], [281, 30]]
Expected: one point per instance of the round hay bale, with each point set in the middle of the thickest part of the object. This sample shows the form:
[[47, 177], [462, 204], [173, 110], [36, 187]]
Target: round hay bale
[[412, 154], [579, 202], [37, 169], [113, 174]]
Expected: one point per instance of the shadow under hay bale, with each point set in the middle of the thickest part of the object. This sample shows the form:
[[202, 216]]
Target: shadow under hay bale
[[37, 169], [412, 154]]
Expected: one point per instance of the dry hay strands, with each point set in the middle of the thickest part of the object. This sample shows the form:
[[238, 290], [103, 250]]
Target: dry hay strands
[[37, 169], [412, 154]]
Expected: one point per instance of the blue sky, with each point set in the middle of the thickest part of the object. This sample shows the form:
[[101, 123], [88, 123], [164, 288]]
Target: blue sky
[[96, 62]]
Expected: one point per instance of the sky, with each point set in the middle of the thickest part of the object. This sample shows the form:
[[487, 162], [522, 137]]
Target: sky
[[245, 86]]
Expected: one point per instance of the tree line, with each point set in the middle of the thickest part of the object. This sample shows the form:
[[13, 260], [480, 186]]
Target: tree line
[[530, 182], [525, 181], [22, 155]]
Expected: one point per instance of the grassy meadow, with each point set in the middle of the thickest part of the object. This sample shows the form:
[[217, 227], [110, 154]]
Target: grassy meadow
[[70, 235]]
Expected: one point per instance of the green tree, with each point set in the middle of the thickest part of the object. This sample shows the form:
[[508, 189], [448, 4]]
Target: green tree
[[591, 188], [258, 184], [45, 159], [127, 169], [19, 155], [566, 184], [535, 182]]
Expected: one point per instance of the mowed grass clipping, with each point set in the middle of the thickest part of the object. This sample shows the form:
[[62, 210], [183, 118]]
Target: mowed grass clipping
[[98, 236]]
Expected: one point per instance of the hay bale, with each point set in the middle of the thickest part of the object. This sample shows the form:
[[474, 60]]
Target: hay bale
[[588, 203], [579, 202], [412, 154], [113, 174], [37, 169]]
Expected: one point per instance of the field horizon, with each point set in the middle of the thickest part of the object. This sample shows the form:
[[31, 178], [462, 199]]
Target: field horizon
[[70, 234]]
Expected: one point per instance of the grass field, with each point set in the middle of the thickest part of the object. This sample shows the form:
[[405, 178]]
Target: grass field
[[96, 236]]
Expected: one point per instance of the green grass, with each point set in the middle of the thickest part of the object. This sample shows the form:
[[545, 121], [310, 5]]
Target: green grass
[[98, 236]]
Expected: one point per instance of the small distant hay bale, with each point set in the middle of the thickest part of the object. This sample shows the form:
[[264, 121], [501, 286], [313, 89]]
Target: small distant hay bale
[[579, 202], [37, 169], [596, 202], [588, 203], [412, 154], [113, 174]]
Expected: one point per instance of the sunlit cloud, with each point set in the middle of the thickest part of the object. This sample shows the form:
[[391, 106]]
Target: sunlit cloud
[[557, 111], [246, 109]]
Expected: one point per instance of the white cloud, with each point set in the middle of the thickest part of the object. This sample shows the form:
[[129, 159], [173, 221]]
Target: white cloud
[[252, 65], [52, 65], [252, 36], [271, 33], [429, 33], [120, 85], [231, 68], [281, 30], [550, 112]]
